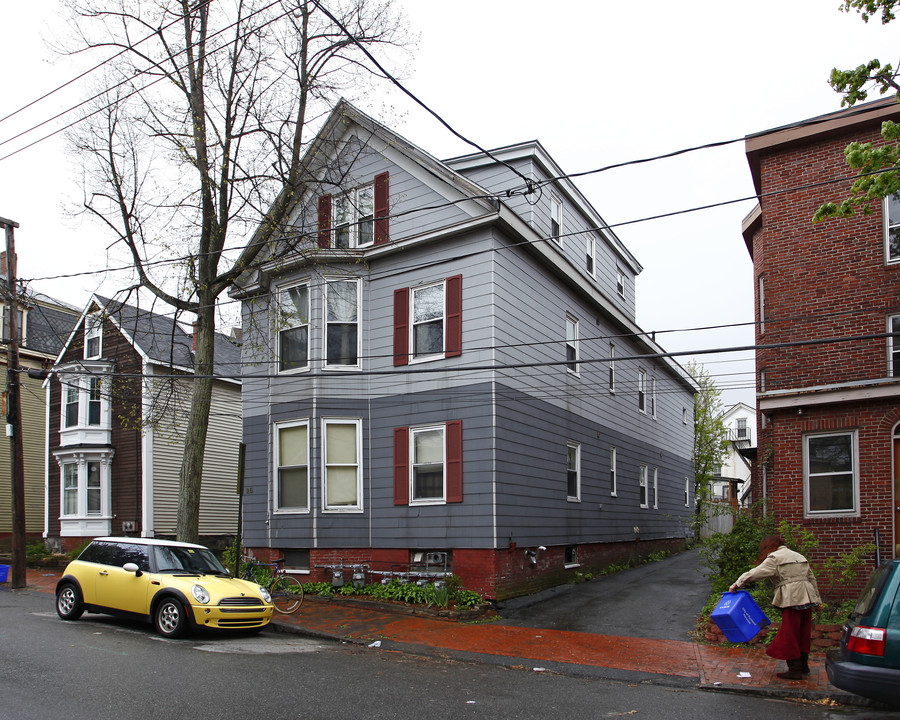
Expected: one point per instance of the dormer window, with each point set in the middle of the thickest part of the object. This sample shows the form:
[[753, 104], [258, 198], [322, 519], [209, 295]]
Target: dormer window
[[93, 336], [20, 323]]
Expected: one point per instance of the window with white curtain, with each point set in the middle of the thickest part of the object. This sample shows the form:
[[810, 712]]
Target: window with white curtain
[[342, 323]]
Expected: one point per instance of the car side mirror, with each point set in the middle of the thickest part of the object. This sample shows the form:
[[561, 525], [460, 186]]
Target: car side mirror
[[132, 568]]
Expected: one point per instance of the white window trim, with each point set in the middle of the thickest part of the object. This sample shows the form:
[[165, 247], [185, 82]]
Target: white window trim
[[278, 330], [93, 327], [573, 343], [655, 488], [642, 485], [413, 431], [761, 291], [620, 282], [276, 444], [325, 324], [556, 213], [577, 447], [891, 343], [353, 223], [653, 398], [412, 324], [887, 233], [642, 391], [613, 472], [687, 492], [358, 508], [80, 522], [611, 380], [854, 511], [83, 386], [591, 254]]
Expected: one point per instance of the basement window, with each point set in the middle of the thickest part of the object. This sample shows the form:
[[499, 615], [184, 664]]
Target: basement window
[[572, 556]]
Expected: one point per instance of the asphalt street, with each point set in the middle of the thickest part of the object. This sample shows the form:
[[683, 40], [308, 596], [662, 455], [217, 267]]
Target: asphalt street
[[100, 668]]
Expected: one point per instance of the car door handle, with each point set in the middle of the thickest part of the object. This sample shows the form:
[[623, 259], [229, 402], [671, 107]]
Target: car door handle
[[103, 572]]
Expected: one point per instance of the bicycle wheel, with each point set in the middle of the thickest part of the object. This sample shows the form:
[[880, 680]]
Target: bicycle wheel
[[287, 594]]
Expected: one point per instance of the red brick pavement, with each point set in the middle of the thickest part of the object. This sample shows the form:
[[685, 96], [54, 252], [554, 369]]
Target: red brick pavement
[[713, 667]]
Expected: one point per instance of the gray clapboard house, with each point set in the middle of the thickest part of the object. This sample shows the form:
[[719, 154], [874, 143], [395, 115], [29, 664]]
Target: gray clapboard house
[[441, 361]]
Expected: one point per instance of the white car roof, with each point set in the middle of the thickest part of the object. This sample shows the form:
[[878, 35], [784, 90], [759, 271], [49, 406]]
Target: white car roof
[[149, 541]]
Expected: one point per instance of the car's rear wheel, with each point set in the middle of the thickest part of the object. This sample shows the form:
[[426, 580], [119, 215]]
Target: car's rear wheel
[[170, 618], [68, 602]]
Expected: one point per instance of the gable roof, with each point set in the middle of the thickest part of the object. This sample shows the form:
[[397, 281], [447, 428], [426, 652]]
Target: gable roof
[[161, 339]]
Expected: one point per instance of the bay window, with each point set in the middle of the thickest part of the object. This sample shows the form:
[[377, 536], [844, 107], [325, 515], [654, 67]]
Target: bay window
[[292, 466], [342, 323], [292, 327]]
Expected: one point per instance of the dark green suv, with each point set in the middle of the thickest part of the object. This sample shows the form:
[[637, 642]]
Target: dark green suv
[[868, 661]]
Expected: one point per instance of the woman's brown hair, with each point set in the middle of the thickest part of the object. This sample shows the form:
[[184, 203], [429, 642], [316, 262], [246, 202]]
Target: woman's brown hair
[[769, 544]]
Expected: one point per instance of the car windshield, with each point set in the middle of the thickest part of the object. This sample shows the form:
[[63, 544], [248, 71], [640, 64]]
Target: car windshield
[[871, 591], [174, 558]]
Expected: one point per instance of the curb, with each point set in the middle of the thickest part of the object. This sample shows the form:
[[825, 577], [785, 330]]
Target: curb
[[837, 697]]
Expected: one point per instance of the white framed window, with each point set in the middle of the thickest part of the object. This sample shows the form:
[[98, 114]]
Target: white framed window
[[653, 398], [342, 310], [642, 483], [291, 472], [85, 500], [892, 229], [572, 344], [428, 326], [620, 282], [612, 471], [612, 368], [427, 467], [21, 319], [741, 431], [687, 492], [353, 218], [85, 402], [761, 290], [642, 390], [573, 472], [684, 415], [292, 328], [893, 345], [342, 472], [590, 261], [93, 336], [830, 472], [655, 488], [556, 219]]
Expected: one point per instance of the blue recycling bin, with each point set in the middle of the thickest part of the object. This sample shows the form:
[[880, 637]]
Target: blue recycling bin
[[739, 617]]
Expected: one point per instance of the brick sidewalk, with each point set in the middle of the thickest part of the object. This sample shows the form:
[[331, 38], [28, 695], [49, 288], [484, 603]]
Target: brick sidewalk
[[711, 666]]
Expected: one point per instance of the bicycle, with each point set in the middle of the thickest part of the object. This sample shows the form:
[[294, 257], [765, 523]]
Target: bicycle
[[286, 590]]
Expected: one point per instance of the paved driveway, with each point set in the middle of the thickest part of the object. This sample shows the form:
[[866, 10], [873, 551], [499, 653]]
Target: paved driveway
[[658, 600]]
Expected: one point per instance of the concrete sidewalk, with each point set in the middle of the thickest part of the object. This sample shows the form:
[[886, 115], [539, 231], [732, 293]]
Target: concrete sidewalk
[[621, 658]]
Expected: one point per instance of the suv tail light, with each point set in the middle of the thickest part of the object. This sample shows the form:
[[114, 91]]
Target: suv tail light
[[866, 640]]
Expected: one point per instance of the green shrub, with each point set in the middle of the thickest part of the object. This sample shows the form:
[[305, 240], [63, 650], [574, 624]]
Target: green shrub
[[410, 593]]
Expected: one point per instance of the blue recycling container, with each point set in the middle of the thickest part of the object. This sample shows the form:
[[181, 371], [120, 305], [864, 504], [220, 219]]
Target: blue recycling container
[[739, 617], [4, 572]]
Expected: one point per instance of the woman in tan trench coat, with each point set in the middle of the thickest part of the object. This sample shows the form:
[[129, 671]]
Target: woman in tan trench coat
[[796, 594]]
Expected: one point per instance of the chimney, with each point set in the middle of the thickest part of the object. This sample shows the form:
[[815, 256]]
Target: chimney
[[3, 263], [194, 336]]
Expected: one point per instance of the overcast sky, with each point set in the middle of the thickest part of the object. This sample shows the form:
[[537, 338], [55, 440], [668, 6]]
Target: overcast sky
[[597, 83]]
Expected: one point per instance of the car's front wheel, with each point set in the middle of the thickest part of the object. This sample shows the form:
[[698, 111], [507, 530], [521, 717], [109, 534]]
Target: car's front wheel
[[170, 618], [68, 602]]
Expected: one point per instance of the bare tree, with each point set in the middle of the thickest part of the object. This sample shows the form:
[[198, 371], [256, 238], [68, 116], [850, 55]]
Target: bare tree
[[198, 136]]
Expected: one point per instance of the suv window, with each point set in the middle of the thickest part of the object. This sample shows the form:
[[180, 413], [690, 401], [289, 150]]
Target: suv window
[[872, 591]]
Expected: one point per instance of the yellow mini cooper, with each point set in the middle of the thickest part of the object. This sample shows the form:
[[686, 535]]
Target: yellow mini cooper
[[177, 586]]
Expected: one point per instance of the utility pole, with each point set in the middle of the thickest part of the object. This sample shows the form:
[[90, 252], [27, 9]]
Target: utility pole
[[14, 411]]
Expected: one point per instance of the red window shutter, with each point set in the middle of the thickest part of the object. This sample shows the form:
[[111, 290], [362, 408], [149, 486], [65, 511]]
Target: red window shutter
[[382, 209], [401, 326], [453, 301], [401, 466], [454, 462], [325, 221]]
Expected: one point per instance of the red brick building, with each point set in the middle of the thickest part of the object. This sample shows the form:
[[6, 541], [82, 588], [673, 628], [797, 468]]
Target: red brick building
[[828, 371]]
